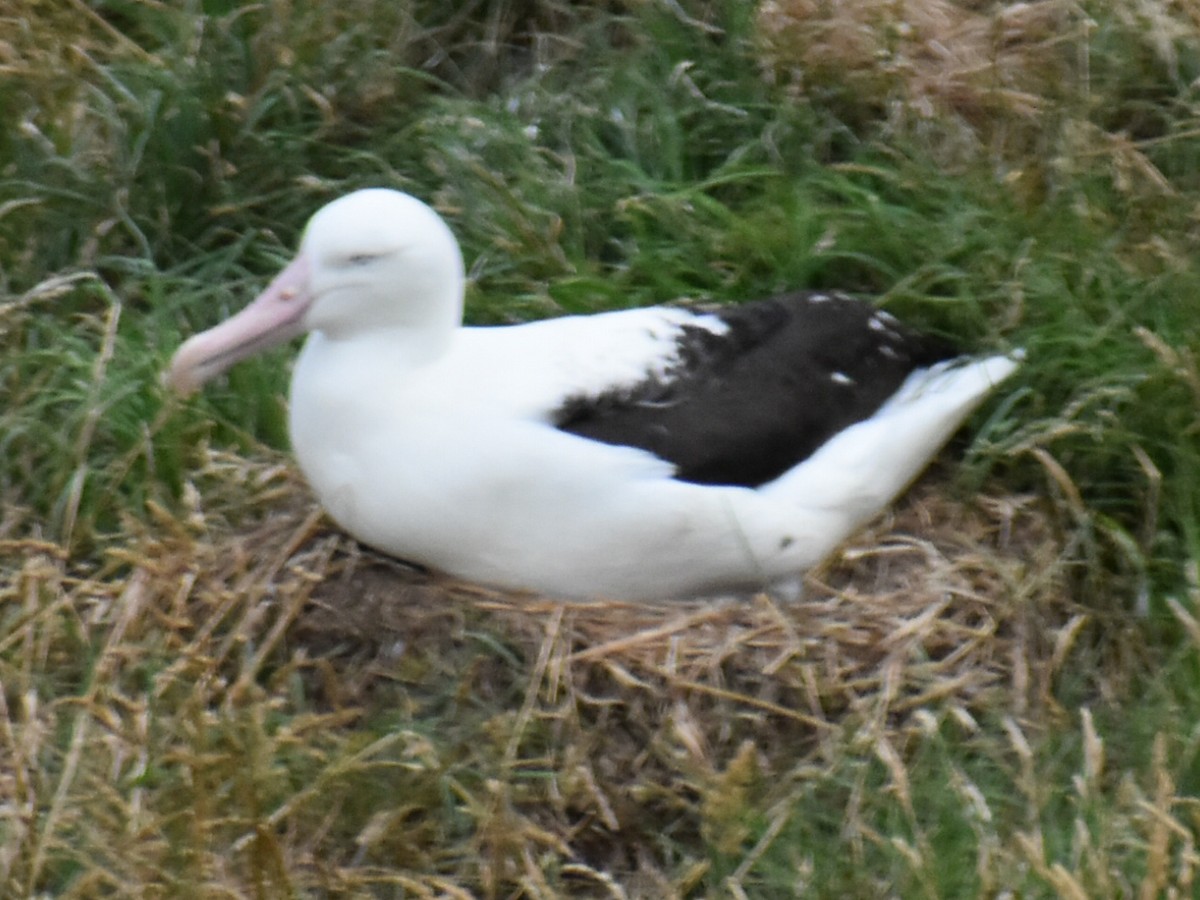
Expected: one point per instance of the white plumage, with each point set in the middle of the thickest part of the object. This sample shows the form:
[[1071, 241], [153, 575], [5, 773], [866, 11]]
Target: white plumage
[[449, 446]]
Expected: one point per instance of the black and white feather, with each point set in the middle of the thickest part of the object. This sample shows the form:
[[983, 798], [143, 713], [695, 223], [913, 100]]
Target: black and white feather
[[757, 388]]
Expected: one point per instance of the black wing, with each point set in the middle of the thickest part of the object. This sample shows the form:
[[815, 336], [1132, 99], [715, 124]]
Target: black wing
[[741, 408]]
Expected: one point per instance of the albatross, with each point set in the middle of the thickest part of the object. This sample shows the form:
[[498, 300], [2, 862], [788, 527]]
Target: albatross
[[642, 454]]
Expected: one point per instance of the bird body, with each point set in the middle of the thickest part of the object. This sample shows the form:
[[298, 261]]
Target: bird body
[[638, 454]]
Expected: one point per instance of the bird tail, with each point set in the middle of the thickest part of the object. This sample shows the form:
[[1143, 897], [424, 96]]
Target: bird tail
[[863, 468]]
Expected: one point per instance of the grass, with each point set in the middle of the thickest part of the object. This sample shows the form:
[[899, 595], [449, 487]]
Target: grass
[[207, 692]]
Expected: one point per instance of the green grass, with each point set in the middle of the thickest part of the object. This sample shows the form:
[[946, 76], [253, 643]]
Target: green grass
[[158, 162]]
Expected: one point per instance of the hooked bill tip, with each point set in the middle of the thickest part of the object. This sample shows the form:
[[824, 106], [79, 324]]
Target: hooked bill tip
[[179, 378]]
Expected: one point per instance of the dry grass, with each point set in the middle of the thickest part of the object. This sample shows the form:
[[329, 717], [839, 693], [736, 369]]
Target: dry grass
[[1011, 81], [927, 58], [260, 706]]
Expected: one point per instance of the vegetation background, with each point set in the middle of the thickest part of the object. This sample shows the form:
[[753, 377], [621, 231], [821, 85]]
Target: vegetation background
[[995, 691]]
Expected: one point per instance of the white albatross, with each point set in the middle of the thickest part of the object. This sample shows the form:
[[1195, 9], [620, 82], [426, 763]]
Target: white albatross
[[641, 454]]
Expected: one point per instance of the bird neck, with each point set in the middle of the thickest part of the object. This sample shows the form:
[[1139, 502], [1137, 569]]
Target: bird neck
[[380, 353]]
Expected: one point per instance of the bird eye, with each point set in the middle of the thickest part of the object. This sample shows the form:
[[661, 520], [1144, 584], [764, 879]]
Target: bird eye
[[361, 259]]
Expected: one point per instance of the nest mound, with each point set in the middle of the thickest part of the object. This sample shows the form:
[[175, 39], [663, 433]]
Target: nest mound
[[940, 602]]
